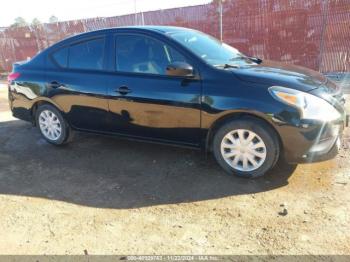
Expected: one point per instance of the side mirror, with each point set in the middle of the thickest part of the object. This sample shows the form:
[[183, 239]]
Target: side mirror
[[180, 69]]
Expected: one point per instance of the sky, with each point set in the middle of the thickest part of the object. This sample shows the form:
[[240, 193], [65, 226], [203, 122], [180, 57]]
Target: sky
[[78, 9]]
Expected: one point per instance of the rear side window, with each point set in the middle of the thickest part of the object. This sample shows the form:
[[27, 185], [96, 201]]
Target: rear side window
[[87, 55], [61, 57]]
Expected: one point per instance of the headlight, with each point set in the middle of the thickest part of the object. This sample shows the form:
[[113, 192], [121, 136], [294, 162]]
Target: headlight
[[310, 106]]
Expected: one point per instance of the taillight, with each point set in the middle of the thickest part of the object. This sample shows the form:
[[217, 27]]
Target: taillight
[[13, 76]]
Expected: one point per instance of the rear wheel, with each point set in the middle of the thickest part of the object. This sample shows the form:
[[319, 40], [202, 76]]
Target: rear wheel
[[246, 147], [52, 125]]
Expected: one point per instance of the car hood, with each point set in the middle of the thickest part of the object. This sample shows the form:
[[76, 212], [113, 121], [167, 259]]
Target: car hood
[[277, 73]]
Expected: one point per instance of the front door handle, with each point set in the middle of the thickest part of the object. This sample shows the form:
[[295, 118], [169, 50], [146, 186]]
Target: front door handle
[[123, 90], [55, 84]]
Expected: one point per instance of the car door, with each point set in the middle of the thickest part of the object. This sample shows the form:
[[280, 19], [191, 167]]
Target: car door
[[143, 100], [77, 83]]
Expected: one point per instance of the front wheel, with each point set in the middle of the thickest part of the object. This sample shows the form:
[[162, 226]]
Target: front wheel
[[246, 147], [52, 125]]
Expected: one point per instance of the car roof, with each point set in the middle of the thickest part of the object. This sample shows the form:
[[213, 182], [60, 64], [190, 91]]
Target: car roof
[[149, 28], [159, 29]]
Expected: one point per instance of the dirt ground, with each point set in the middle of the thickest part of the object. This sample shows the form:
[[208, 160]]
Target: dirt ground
[[102, 195]]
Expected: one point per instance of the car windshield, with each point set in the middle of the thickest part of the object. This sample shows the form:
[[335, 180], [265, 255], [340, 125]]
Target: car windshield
[[211, 50]]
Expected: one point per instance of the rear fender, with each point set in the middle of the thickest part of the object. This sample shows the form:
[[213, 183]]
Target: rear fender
[[43, 100]]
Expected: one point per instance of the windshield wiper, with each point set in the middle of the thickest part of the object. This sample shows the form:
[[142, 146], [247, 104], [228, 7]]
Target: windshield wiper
[[251, 58], [227, 66], [256, 59]]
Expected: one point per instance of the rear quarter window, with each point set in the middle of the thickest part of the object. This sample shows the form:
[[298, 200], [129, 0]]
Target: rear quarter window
[[61, 57]]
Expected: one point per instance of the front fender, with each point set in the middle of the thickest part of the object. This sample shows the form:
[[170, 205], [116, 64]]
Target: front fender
[[259, 104]]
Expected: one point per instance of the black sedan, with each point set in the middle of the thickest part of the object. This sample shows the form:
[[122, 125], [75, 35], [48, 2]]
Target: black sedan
[[179, 86]]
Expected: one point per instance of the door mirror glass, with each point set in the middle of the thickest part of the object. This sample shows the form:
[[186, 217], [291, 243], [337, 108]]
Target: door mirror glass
[[180, 69]]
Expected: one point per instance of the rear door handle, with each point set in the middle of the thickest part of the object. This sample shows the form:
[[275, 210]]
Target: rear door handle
[[55, 84], [123, 90]]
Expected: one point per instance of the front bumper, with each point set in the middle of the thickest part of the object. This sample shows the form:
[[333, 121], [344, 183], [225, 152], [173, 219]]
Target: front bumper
[[327, 148], [314, 142]]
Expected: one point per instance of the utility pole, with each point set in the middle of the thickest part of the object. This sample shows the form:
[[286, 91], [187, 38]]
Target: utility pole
[[220, 17], [135, 9], [142, 19]]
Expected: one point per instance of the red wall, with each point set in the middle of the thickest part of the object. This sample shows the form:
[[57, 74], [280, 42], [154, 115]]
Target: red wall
[[312, 33]]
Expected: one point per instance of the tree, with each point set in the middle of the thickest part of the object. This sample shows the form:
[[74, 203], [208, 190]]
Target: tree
[[36, 22], [53, 19], [19, 21]]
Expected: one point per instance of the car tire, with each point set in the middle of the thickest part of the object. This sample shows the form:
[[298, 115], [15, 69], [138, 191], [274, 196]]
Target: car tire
[[246, 147], [53, 127]]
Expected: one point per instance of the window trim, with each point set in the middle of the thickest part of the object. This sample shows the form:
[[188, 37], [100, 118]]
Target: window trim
[[77, 42], [114, 58]]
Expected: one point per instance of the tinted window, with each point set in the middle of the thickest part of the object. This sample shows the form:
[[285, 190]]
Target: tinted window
[[87, 55], [61, 57], [140, 54]]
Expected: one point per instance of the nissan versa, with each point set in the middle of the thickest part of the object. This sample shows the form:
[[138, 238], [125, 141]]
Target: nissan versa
[[179, 86]]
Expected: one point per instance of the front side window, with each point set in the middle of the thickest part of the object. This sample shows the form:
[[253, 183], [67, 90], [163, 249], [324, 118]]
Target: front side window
[[141, 54], [87, 55]]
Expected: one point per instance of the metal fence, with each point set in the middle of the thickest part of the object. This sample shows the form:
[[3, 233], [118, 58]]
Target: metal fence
[[312, 33]]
